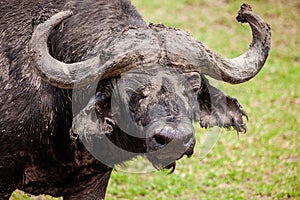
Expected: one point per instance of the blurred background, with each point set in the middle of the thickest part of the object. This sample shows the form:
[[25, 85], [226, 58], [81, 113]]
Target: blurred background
[[265, 162]]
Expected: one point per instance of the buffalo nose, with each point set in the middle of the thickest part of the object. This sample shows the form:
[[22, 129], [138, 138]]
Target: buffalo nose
[[183, 137]]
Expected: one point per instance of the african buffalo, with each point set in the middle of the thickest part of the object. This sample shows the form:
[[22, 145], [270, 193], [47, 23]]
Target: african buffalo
[[86, 85]]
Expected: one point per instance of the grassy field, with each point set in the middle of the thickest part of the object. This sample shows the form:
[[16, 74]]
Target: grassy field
[[265, 162]]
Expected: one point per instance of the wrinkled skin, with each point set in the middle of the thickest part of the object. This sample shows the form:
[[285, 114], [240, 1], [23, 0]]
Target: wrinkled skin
[[52, 134]]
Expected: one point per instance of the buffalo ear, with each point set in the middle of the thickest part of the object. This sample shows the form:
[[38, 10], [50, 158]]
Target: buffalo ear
[[89, 124], [218, 109]]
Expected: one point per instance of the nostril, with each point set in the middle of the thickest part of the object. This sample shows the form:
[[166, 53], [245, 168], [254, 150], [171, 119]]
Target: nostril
[[161, 140]]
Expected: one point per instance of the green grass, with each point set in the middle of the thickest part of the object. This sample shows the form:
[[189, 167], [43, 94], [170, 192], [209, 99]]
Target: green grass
[[264, 163]]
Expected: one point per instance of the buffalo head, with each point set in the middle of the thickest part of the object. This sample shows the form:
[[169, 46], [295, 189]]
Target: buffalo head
[[150, 88]]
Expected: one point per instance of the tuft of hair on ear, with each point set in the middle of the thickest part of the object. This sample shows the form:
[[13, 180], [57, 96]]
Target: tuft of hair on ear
[[218, 109]]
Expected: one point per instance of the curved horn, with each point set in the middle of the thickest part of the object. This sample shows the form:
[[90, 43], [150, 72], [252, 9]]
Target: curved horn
[[246, 66], [68, 76], [57, 73], [152, 44], [183, 51], [53, 71]]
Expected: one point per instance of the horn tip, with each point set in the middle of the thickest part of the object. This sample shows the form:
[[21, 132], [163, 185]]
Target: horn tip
[[244, 8]]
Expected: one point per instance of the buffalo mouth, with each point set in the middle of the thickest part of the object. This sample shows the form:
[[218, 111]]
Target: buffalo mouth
[[172, 166], [165, 158]]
